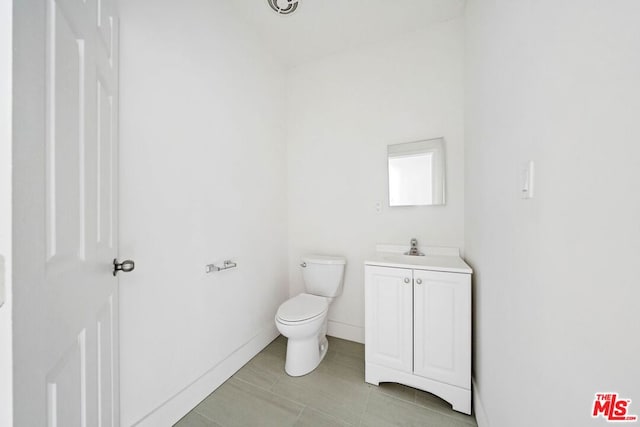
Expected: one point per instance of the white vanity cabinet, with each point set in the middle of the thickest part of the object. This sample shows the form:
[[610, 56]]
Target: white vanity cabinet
[[418, 325]]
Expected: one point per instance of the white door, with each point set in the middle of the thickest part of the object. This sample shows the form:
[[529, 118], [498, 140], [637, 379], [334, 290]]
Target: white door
[[79, 336], [388, 312], [442, 311]]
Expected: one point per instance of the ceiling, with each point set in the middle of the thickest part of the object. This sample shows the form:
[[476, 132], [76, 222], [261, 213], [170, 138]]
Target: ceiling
[[322, 27]]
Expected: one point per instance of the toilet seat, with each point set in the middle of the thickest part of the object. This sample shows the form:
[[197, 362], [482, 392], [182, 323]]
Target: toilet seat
[[302, 308]]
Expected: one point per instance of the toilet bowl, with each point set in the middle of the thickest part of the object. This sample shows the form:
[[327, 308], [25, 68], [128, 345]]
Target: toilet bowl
[[303, 318]]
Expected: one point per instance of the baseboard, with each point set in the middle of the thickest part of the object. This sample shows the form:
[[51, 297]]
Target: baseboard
[[181, 403], [345, 331], [478, 409]]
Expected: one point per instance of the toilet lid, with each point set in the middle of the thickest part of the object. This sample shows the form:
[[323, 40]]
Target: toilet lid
[[302, 307]]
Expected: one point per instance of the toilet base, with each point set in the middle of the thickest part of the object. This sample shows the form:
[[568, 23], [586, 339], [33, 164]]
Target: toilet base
[[304, 355]]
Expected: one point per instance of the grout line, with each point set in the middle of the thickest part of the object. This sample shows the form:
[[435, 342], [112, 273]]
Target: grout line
[[327, 414], [274, 394], [450, 416], [252, 385], [366, 406], [299, 415], [315, 409], [257, 388], [289, 399], [273, 386], [202, 415]]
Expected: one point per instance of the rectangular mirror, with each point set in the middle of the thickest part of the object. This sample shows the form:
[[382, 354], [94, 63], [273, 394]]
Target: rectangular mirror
[[416, 173]]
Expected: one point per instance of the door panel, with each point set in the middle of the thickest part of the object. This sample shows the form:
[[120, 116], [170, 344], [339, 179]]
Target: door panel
[[389, 332], [80, 330], [65, 142], [104, 164], [105, 23], [442, 348], [66, 387]]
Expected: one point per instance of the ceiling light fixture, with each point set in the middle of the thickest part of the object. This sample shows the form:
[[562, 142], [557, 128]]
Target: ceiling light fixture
[[283, 7]]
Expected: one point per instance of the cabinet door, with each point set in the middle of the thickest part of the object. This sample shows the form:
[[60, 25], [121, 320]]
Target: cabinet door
[[388, 306], [442, 311]]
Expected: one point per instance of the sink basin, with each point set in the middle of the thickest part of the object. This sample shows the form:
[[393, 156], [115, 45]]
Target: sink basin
[[408, 259], [404, 259]]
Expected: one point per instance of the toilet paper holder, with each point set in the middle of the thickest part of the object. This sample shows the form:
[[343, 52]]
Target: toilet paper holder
[[227, 264]]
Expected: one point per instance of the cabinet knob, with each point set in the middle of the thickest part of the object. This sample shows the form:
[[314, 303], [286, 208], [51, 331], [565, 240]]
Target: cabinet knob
[[407, 280], [419, 281]]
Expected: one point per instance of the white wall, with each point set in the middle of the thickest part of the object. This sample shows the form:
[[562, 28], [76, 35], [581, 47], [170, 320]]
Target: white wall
[[6, 62], [343, 112], [28, 205], [203, 179], [556, 281]]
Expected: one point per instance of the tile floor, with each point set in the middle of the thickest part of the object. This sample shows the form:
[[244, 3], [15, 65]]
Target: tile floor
[[335, 394]]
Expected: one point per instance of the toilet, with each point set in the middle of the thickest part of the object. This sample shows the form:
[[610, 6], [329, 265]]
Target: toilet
[[303, 318]]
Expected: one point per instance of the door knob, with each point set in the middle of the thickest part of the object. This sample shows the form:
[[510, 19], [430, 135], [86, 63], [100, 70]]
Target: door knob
[[419, 281], [124, 266], [407, 280]]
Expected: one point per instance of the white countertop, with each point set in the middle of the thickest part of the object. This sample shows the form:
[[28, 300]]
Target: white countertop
[[450, 263]]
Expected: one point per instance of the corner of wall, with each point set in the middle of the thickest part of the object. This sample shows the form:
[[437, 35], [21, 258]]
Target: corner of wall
[[478, 408], [345, 331]]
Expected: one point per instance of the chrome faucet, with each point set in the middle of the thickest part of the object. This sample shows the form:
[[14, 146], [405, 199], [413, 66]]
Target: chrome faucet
[[414, 248]]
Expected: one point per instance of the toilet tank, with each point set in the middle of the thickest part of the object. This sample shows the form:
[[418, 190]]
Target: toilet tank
[[323, 275]]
